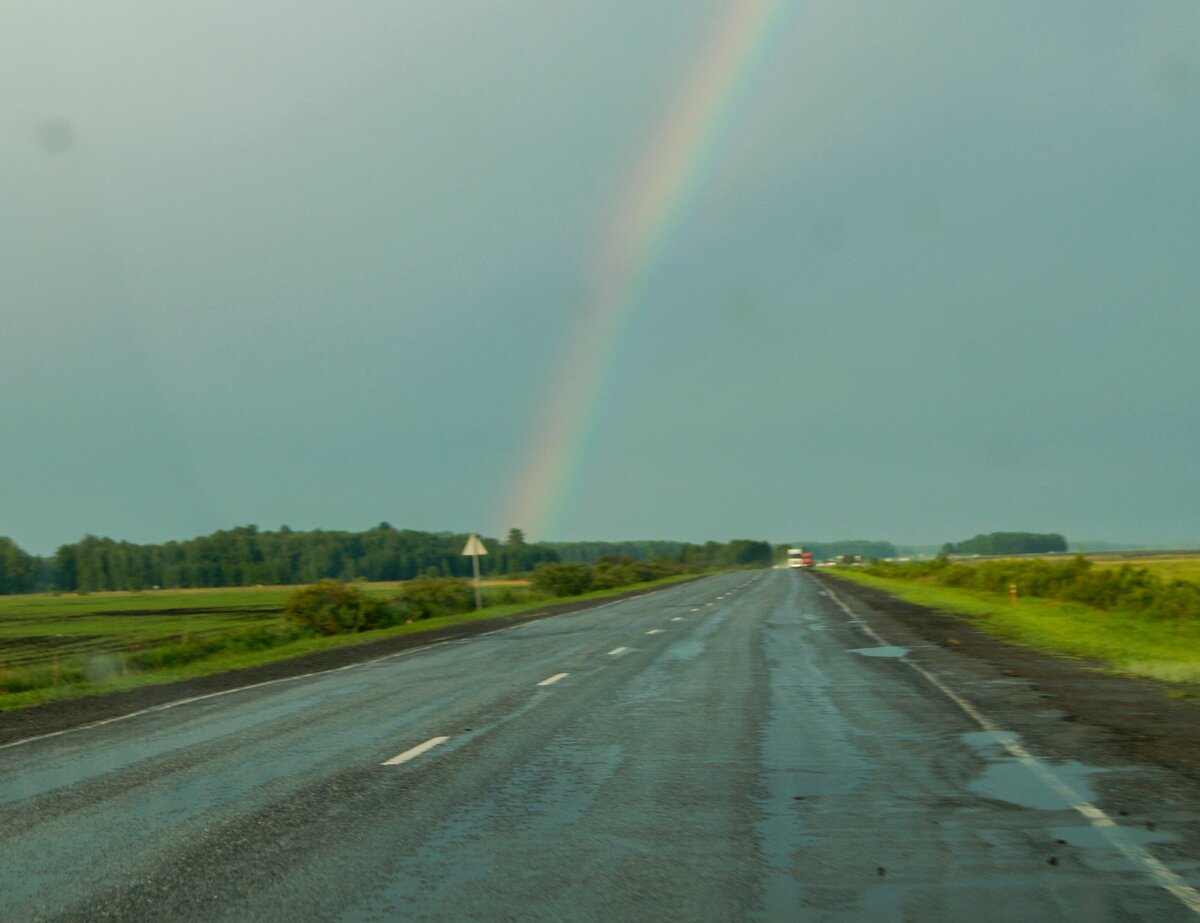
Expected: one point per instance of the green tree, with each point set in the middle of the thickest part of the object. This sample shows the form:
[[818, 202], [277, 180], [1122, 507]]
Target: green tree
[[750, 553], [18, 569]]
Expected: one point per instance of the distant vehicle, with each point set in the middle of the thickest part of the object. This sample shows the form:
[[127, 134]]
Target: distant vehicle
[[798, 557]]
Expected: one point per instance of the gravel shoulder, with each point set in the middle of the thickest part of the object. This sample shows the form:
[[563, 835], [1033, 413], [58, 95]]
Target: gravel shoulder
[[1103, 717]]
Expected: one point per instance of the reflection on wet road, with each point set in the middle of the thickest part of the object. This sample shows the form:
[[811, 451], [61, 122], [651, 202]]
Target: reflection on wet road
[[743, 747]]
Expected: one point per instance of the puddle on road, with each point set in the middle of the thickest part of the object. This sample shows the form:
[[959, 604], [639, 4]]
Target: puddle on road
[[1094, 838], [886, 650], [986, 740], [1012, 782], [685, 650], [1107, 846], [1008, 779]]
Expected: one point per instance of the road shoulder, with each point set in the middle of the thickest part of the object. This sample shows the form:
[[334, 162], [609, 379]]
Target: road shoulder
[[1116, 718]]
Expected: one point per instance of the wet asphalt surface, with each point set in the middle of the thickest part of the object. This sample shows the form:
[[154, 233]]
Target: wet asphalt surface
[[738, 748]]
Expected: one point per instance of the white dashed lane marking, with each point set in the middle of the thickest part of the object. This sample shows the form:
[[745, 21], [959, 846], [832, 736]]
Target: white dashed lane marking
[[551, 680], [415, 751]]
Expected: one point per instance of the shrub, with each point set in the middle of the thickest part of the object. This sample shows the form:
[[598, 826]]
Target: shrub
[[1126, 588], [429, 597], [563, 579], [611, 571], [509, 595], [330, 607]]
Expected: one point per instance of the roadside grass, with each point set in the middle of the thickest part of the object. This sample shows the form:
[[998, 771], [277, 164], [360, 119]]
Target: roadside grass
[[39, 629], [1167, 568], [1123, 641], [65, 604], [128, 652]]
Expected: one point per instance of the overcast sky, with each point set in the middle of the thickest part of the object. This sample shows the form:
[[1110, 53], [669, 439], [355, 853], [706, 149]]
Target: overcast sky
[[312, 262]]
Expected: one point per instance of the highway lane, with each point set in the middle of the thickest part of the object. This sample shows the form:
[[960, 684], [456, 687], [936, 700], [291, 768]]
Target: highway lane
[[730, 749]]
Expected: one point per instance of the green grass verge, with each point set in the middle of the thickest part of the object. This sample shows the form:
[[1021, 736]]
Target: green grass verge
[[1122, 641], [233, 643]]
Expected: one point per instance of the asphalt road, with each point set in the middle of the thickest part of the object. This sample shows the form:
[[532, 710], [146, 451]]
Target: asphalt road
[[746, 747]]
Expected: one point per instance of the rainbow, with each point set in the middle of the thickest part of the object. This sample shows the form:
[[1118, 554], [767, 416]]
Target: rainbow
[[649, 216]]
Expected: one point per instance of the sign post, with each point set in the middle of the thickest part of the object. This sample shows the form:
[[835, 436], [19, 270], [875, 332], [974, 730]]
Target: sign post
[[474, 548]]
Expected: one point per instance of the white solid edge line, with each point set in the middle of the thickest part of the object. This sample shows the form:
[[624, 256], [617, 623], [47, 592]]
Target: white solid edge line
[[212, 695], [617, 650], [415, 751], [551, 680], [1109, 829]]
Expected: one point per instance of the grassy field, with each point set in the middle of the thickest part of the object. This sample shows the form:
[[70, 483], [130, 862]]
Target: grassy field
[[1176, 568], [1124, 642], [37, 629], [55, 647]]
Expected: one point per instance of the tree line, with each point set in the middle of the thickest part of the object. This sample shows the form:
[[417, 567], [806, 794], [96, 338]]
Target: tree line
[[20, 572], [740, 552], [1008, 543], [247, 556]]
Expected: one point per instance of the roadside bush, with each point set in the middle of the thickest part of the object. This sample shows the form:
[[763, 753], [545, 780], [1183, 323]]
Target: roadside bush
[[429, 597], [1125, 588], [563, 579], [510, 595], [330, 607], [608, 575], [656, 570], [500, 596], [613, 570], [611, 574]]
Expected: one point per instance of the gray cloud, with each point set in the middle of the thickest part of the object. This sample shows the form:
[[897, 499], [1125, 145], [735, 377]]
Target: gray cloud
[[316, 267]]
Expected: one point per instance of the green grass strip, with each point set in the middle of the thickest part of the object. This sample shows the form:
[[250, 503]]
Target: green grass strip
[[1123, 641]]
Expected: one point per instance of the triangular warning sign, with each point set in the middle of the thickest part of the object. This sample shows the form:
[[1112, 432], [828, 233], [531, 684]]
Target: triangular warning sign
[[474, 546]]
